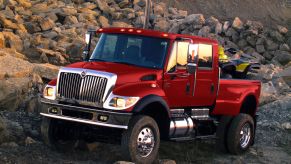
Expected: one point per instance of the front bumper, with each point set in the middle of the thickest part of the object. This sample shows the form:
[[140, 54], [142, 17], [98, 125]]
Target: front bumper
[[86, 115]]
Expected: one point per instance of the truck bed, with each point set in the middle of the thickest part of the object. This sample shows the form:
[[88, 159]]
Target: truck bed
[[232, 94]]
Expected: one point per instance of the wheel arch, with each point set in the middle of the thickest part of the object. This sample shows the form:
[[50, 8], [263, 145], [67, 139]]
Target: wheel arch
[[157, 108], [249, 105]]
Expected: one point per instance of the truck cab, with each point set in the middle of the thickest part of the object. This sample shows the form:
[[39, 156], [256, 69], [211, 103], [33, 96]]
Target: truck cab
[[139, 86]]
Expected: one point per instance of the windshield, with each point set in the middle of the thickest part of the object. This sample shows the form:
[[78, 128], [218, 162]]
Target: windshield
[[135, 50]]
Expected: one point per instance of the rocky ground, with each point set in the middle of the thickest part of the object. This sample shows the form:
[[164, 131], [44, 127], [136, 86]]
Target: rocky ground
[[40, 36]]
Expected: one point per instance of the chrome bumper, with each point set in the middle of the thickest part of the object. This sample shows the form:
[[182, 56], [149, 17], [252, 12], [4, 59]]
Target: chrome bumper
[[115, 119]]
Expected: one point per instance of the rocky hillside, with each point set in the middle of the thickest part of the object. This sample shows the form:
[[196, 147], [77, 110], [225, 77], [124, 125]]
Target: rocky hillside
[[39, 36]]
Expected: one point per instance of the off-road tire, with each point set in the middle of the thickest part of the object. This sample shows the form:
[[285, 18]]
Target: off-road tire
[[221, 134], [233, 136], [48, 127], [130, 136]]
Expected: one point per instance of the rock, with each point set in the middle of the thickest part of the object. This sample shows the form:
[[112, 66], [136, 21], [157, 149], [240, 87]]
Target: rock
[[218, 28], [162, 25], [268, 93], [71, 20], [284, 47], [13, 41], [173, 11], [160, 8], [123, 162], [92, 146], [242, 43], [283, 30], [32, 27], [271, 46], [275, 35], [8, 23], [204, 31], [251, 40], [167, 161], [2, 40], [226, 26], [47, 24], [121, 24], [9, 145], [174, 28], [69, 11], [283, 57], [24, 3], [39, 8], [104, 21], [29, 141], [103, 6], [286, 126], [286, 75], [237, 24], [260, 48], [254, 27], [195, 19]]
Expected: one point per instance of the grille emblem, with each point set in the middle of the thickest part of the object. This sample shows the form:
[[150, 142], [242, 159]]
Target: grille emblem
[[83, 74]]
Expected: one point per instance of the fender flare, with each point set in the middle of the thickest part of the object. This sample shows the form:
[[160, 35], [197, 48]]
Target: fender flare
[[148, 100]]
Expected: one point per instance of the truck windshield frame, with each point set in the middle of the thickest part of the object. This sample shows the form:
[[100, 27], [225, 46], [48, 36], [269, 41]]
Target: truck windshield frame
[[137, 50]]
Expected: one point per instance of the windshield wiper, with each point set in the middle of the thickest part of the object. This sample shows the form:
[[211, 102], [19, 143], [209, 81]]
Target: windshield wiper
[[122, 62], [97, 60]]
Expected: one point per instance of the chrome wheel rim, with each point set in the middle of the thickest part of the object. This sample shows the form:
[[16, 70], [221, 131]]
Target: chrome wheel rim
[[245, 135], [145, 142]]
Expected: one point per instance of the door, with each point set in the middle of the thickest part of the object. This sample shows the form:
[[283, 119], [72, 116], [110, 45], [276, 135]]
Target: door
[[177, 81], [206, 76]]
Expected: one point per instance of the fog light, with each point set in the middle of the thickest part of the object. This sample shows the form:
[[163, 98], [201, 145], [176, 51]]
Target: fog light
[[54, 110], [103, 118]]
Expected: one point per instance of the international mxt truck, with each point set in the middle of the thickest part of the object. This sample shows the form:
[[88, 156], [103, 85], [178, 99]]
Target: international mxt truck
[[139, 87]]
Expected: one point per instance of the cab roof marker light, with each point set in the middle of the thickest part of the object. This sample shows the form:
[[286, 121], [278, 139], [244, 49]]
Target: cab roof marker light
[[165, 35], [122, 30], [138, 31], [100, 29], [130, 30]]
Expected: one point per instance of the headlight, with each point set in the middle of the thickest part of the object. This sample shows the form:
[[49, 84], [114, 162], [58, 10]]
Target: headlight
[[49, 92], [120, 102]]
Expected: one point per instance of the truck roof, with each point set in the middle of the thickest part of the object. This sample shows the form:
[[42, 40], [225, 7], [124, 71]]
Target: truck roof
[[153, 33]]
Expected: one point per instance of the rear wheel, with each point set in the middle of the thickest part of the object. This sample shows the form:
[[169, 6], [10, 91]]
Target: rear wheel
[[58, 134], [241, 134], [141, 141]]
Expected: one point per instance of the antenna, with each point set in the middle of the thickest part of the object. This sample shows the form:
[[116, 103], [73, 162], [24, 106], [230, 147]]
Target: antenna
[[147, 13]]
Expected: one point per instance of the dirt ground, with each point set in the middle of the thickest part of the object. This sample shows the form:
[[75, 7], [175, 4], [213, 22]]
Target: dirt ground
[[272, 146]]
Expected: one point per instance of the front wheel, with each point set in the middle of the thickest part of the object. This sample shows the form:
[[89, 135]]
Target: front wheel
[[240, 134], [141, 141]]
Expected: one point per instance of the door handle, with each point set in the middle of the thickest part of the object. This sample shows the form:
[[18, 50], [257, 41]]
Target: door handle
[[212, 88]]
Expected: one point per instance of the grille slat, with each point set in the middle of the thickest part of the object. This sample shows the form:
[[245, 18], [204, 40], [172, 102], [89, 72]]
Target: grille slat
[[89, 88]]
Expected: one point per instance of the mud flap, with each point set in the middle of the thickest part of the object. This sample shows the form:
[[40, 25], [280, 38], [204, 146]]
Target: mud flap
[[255, 127]]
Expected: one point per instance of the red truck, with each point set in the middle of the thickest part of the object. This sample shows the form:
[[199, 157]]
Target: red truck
[[141, 86]]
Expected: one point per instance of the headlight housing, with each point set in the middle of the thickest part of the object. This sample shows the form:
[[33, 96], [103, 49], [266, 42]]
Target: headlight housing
[[49, 92], [116, 102]]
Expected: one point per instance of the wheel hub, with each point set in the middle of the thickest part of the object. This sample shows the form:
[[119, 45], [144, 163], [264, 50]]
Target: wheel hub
[[245, 135], [145, 142]]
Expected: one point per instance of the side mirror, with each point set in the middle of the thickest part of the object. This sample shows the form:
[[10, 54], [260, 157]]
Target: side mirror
[[86, 52], [191, 68], [192, 58]]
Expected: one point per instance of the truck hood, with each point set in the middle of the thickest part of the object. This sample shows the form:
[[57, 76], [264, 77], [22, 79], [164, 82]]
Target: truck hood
[[125, 73]]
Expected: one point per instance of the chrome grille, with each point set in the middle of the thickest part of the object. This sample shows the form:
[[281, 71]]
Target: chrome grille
[[89, 88]]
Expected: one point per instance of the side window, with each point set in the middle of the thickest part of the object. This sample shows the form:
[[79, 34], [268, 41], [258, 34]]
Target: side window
[[205, 56], [182, 52]]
